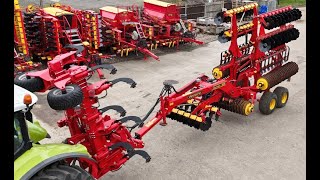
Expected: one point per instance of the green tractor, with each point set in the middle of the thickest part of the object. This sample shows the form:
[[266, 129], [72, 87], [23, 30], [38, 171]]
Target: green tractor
[[36, 161]]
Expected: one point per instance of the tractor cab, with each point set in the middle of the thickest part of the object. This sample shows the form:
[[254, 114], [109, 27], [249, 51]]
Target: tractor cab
[[26, 131], [27, 134]]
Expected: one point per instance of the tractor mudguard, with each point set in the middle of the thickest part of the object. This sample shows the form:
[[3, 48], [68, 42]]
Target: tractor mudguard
[[40, 156], [117, 108], [36, 131], [105, 66], [126, 80]]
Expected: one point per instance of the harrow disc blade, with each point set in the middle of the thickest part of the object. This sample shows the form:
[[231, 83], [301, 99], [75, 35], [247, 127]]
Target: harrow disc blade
[[272, 42], [264, 46], [272, 22], [290, 16], [277, 40], [218, 19], [283, 19], [277, 20], [296, 34], [269, 22], [286, 38], [297, 14]]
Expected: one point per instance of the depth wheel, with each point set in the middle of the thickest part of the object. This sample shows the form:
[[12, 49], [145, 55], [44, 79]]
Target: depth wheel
[[282, 95], [268, 103], [32, 84], [62, 172], [59, 100]]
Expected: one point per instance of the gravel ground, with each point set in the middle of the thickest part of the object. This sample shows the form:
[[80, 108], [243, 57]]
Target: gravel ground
[[237, 147]]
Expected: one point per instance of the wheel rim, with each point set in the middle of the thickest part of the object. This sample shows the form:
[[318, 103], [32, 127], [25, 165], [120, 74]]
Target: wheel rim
[[284, 98], [248, 109], [22, 77], [58, 92], [272, 104]]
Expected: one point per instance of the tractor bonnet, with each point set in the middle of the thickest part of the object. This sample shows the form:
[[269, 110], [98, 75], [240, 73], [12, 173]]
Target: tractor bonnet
[[19, 93]]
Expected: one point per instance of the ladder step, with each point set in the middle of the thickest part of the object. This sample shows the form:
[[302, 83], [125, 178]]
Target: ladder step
[[74, 40], [71, 30], [78, 44], [73, 35]]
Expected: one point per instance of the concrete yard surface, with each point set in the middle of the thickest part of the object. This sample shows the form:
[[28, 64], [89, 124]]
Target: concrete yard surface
[[254, 147]]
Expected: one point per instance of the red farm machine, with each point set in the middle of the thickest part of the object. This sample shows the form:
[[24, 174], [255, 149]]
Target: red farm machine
[[168, 27], [107, 140], [244, 71], [22, 61], [43, 33], [122, 31], [59, 29]]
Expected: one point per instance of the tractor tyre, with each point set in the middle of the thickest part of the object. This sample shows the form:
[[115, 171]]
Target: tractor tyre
[[32, 84], [282, 95], [59, 100], [62, 172], [268, 103]]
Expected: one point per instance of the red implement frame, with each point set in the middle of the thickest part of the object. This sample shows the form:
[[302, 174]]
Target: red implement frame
[[241, 62], [164, 17], [129, 33]]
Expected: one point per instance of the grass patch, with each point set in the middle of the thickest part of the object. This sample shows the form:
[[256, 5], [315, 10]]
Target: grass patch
[[294, 3]]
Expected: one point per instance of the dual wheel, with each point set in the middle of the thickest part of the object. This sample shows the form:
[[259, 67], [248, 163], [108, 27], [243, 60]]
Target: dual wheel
[[269, 101]]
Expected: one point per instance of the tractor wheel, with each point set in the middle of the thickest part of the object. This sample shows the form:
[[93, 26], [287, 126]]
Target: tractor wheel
[[32, 84], [62, 172], [268, 103], [59, 100], [282, 95]]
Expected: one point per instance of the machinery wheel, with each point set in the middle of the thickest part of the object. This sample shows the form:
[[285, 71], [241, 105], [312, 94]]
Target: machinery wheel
[[282, 95], [268, 103], [59, 100], [177, 27], [32, 84], [62, 172]]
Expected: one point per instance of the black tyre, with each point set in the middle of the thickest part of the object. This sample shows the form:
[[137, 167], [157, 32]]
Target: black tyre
[[59, 100], [62, 172], [282, 96], [32, 84], [268, 103]]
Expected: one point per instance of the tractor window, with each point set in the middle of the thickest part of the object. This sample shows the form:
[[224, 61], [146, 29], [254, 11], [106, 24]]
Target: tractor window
[[17, 136]]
